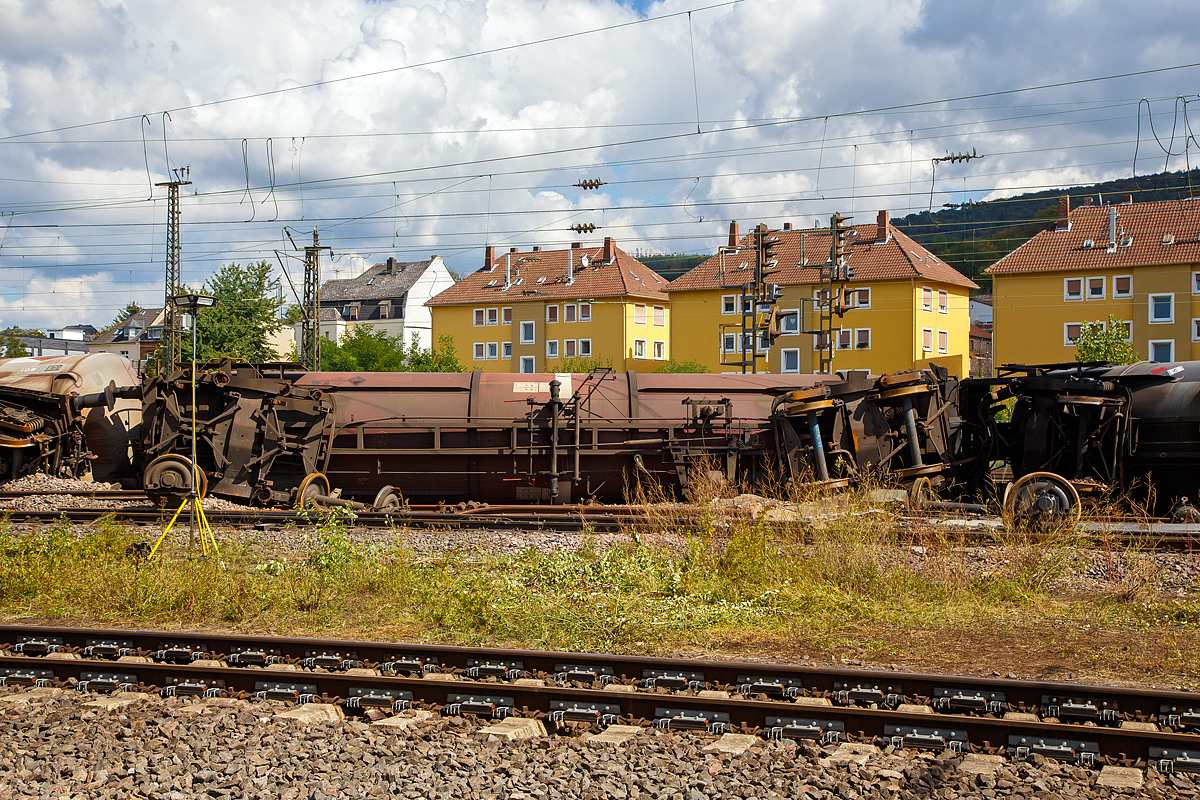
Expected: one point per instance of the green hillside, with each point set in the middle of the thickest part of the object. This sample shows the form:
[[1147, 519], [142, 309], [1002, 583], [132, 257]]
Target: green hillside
[[974, 236]]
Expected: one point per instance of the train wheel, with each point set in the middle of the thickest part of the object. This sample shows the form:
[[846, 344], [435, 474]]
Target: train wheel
[[920, 492], [1044, 497], [388, 499], [168, 480], [314, 485]]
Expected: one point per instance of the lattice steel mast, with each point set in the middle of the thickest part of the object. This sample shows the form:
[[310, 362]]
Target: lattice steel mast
[[172, 344]]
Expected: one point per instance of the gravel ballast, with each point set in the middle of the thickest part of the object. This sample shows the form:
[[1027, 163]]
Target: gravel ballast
[[52, 746]]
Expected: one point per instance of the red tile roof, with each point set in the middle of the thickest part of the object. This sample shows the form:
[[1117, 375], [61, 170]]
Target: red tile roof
[[1162, 232], [800, 253], [543, 273]]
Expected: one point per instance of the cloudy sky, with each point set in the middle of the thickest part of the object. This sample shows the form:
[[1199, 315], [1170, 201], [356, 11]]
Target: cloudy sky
[[414, 127]]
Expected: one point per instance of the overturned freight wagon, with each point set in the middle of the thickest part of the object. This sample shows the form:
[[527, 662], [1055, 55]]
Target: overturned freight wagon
[[272, 436]]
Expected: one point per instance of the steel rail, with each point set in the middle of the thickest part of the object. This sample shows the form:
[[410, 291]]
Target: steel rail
[[751, 709]]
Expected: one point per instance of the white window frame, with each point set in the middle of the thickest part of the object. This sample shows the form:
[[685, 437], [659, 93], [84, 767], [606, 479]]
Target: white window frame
[[383, 310], [351, 312], [506, 315], [792, 314], [1067, 298], [1087, 287], [493, 316], [570, 348], [1127, 324], [820, 299], [585, 312], [527, 360], [857, 331], [943, 308], [1195, 329], [764, 342], [1196, 283], [478, 352], [585, 344], [1067, 340], [639, 348], [552, 313], [532, 338], [728, 304], [729, 343], [848, 333], [926, 348], [493, 351], [783, 357], [659, 317], [552, 348], [747, 304], [506, 350], [570, 313], [1150, 309], [943, 334], [639, 310], [1121, 295], [858, 293], [819, 342], [1150, 349], [926, 298], [477, 317], [660, 350]]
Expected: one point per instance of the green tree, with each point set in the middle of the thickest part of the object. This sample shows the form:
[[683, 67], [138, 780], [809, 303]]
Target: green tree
[[368, 349], [14, 347], [130, 309], [245, 315], [690, 365], [442, 358], [1100, 342], [584, 364]]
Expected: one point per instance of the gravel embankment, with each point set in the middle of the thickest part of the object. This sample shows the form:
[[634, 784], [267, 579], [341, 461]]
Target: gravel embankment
[[180, 748]]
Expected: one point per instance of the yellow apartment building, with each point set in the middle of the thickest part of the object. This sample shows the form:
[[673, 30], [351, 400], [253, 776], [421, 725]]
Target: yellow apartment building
[[1139, 262], [531, 311], [910, 308]]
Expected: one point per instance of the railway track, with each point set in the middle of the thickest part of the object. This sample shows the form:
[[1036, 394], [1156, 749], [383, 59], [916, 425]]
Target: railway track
[[1086, 725]]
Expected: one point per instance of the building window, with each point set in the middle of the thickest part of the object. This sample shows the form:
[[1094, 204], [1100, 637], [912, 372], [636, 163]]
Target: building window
[[527, 336], [493, 351], [493, 316], [1071, 331], [821, 341], [527, 365], [479, 351], [1128, 326], [926, 299], [639, 348], [506, 316], [862, 338], [660, 316], [1196, 283], [821, 298], [764, 342], [1095, 288], [729, 303], [729, 343], [639, 314], [552, 348], [1195, 329], [943, 342], [845, 339], [943, 301], [1162, 308], [862, 298], [747, 304], [569, 312], [1162, 350], [585, 348], [585, 312], [789, 321], [660, 351], [1072, 288], [569, 348], [351, 312], [789, 361], [927, 340], [1123, 286], [383, 310], [478, 320], [506, 350], [552, 313]]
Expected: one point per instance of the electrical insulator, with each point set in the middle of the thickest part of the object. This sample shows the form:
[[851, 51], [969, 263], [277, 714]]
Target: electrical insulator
[[583, 227], [590, 183]]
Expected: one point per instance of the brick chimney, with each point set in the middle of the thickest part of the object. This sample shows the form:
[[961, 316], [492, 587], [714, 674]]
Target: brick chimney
[[1063, 223], [489, 255], [787, 226], [537, 248], [391, 266], [881, 226], [610, 250], [576, 245], [733, 234], [512, 249]]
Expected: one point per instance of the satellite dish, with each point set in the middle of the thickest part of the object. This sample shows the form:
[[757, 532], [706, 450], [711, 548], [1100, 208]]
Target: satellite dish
[[583, 260]]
